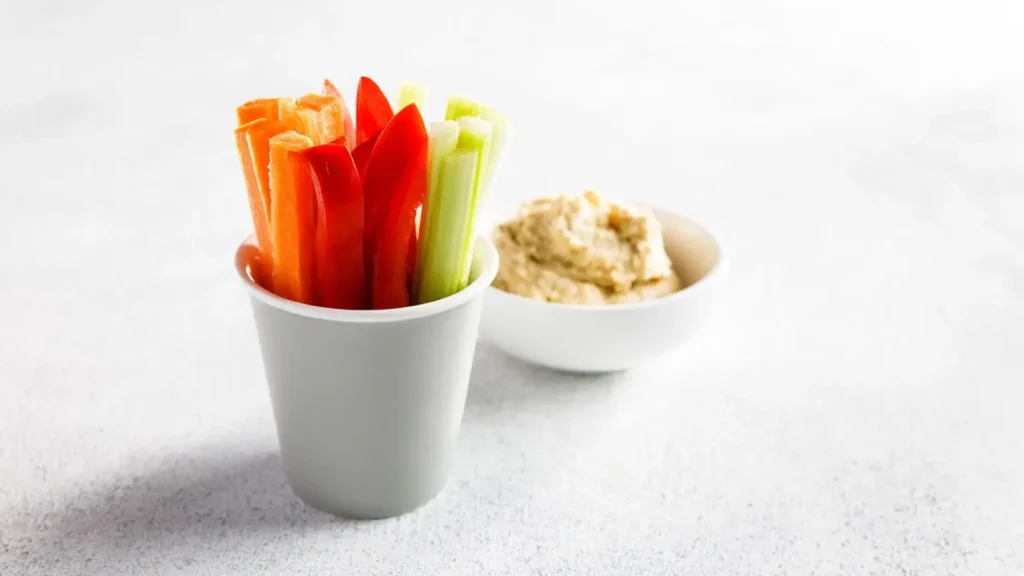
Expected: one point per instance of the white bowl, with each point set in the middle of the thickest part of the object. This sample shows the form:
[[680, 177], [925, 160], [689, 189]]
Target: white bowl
[[580, 338]]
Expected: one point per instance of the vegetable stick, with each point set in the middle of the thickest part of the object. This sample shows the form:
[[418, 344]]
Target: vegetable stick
[[361, 154], [501, 131], [288, 113], [413, 93], [321, 117], [474, 134], [459, 106], [339, 230], [346, 116], [442, 263], [396, 182], [257, 207], [373, 111], [256, 109], [412, 256], [257, 136], [443, 138], [501, 134], [293, 205], [389, 161]]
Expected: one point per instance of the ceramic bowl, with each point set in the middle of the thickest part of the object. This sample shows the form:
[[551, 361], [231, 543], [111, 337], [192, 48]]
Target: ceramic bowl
[[581, 338]]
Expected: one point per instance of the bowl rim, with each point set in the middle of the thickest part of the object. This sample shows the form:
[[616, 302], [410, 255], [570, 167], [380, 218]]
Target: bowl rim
[[717, 269], [474, 290]]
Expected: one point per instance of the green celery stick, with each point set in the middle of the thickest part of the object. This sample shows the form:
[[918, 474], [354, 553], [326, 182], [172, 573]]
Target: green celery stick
[[442, 266], [459, 106], [414, 93], [443, 138], [501, 133], [475, 135], [501, 128]]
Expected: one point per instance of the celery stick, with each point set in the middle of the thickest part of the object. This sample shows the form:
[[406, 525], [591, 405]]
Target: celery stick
[[485, 130], [413, 93], [443, 138], [442, 266], [459, 106], [474, 134], [501, 133]]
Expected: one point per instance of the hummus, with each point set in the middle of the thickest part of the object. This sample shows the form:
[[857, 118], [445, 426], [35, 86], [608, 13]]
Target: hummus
[[584, 250]]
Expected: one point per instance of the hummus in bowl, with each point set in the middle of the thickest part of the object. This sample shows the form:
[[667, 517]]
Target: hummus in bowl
[[584, 250], [590, 285]]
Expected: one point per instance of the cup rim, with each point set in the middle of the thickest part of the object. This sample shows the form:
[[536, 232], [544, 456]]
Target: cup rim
[[474, 290], [717, 270]]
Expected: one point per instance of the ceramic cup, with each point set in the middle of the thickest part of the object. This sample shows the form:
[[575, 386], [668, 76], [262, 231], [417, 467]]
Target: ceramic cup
[[368, 403]]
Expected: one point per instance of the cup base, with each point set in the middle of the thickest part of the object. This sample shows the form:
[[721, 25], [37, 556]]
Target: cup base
[[356, 510]]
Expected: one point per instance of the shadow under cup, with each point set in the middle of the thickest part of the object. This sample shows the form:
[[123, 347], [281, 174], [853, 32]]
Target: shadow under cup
[[368, 403]]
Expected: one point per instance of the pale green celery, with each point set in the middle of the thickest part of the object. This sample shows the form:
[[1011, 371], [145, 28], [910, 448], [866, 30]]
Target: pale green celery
[[459, 106], [501, 133], [444, 136], [475, 135], [501, 128], [442, 266], [414, 93]]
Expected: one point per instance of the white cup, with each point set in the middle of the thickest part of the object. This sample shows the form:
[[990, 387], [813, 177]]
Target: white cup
[[368, 403]]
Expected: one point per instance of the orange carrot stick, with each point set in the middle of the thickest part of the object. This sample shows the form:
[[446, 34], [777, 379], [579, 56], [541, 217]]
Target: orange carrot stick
[[257, 135], [293, 205], [322, 117], [257, 207], [346, 116], [256, 109], [288, 112]]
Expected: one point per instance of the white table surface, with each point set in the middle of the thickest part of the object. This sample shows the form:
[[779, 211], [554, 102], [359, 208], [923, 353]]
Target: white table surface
[[853, 407]]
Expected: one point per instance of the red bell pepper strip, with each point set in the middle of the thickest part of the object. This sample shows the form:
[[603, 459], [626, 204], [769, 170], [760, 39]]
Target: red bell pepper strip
[[396, 182], [410, 260], [346, 116], [339, 229], [373, 111], [361, 154]]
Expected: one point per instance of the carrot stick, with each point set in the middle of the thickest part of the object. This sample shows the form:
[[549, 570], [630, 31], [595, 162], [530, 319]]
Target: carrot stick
[[257, 207], [256, 109], [322, 117], [288, 112], [257, 135], [293, 205], [346, 116]]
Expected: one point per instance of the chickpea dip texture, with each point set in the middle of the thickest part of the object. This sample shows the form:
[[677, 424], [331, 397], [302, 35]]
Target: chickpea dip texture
[[584, 250]]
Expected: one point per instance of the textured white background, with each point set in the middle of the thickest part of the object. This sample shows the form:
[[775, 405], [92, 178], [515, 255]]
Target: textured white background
[[854, 406]]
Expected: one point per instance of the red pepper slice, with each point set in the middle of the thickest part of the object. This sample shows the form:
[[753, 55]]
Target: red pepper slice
[[410, 259], [339, 230], [361, 155], [373, 111], [395, 184], [346, 116]]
